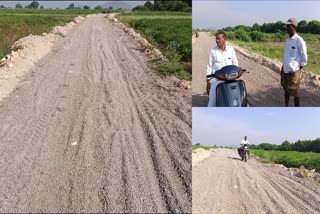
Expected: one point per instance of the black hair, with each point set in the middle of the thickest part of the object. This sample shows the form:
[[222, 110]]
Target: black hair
[[221, 32]]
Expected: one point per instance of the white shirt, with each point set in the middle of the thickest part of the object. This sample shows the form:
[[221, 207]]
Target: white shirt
[[219, 58], [244, 142], [295, 54]]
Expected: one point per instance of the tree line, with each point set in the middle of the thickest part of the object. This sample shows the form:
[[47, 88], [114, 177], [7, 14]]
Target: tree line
[[303, 27], [299, 146], [36, 5], [166, 5]]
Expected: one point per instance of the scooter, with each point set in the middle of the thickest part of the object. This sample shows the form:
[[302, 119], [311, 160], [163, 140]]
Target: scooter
[[244, 153], [232, 92]]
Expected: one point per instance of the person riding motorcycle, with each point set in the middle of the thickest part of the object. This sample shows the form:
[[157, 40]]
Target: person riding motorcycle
[[243, 143], [220, 56]]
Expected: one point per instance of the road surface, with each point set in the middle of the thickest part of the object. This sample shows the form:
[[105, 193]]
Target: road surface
[[92, 129], [224, 184], [263, 84]]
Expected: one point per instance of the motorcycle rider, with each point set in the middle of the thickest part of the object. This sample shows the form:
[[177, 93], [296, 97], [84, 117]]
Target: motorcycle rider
[[243, 143], [220, 56]]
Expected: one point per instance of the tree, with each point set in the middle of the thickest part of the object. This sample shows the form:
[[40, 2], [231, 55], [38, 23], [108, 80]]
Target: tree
[[148, 5], [285, 146], [41, 7], [86, 7], [2, 6], [303, 26], [19, 6], [34, 5], [71, 6], [255, 27], [139, 8], [98, 7]]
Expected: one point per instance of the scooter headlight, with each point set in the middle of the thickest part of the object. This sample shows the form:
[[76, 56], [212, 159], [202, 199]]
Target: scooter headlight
[[232, 76], [221, 76]]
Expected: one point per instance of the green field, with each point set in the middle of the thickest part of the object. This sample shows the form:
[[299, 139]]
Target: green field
[[274, 49], [171, 33], [290, 158], [51, 12], [18, 23]]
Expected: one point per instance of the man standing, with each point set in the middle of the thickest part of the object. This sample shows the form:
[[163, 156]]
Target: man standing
[[294, 59], [220, 56]]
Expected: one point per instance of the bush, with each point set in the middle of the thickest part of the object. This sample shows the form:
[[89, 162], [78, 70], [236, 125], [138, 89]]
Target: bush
[[257, 36], [231, 35], [242, 35]]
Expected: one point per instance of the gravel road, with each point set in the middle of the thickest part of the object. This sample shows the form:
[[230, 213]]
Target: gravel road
[[224, 184], [263, 84], [92, 129]]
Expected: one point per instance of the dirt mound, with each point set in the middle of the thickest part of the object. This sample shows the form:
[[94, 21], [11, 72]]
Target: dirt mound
[[152, 52], [199, 155]]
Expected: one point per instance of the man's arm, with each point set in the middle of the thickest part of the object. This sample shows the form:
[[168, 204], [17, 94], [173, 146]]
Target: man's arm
[[303, 54], [209, 70], [234, 58], [210, 63]]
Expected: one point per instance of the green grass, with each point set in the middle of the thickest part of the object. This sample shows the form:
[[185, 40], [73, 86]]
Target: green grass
[[274, 49], [171, 33], [13, 27], [290, 158]]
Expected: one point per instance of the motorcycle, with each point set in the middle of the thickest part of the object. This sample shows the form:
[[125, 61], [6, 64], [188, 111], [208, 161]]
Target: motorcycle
[[244, 153], [232, 92]]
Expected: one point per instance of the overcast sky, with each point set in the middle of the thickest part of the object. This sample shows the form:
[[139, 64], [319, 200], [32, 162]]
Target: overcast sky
[[228, 126], [64, 4], [218, 14]]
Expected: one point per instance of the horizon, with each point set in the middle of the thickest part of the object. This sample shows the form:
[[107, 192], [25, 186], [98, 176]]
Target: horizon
[[221, 14], [65, 4]]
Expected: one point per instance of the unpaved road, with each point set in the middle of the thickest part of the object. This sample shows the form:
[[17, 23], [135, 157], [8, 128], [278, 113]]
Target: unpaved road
[[91, 129], [224, 184], [263, 84]]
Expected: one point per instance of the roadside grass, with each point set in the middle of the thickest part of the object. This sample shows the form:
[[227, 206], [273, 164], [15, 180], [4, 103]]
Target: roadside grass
[[13, 27], [290, 158], [274, 50], [169, 32]]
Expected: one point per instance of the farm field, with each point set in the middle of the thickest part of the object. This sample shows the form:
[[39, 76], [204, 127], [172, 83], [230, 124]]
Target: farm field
[[18, 23], [172, 37], [290, 158]]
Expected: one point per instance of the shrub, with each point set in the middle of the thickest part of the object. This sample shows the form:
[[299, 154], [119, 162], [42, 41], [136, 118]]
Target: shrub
[[242, 35], [257, 36]]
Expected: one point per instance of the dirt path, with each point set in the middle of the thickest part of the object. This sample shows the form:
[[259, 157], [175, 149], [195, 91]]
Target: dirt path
[[263, 84], [91, 129], [224, 184]]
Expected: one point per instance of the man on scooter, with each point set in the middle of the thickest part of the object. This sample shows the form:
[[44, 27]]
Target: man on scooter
[[243, 143], [220, 56]]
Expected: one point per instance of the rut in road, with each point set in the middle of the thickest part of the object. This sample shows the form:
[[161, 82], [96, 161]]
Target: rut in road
[[225, 184], [263, 84], [92, 129]]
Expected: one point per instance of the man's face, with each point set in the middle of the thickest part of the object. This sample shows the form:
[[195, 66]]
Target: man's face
[[290, 29], [220, 40]]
